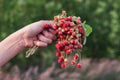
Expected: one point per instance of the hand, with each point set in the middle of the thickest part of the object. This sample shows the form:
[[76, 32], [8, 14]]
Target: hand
[[35, 34]]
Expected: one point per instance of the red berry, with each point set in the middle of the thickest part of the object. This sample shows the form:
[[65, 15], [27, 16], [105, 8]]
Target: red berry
[[58, 54], [65, 25], [78, 65], [60, 60], [66, 43], [76, 42], [79, 46], [63, 65], [72, 24], [46, 26], [75, 57], [61, 24], [73, 62], [72, 41], [68, 51], [80, 29], [55, 19], [54, 26]]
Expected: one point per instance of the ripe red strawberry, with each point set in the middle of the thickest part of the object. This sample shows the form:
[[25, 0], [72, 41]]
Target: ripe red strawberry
[[46, 26], [68, 51], [63, 65], [73, 62], [58, 54], [60, 60], [78, 65], [75, 57]]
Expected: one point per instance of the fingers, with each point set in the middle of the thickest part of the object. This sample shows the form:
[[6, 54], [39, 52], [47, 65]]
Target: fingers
[[48, 34], [40, 43], [44, 39]]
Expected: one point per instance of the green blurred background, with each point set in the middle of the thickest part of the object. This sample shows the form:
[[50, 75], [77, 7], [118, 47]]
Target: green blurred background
[[102, 15]]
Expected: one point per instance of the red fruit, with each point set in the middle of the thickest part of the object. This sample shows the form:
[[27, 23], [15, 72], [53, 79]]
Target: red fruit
[[75, 57], [71, 46], [76, 42], [73, 62], [80, 29], [55, 19], [68, 18], [69, 51], [60, 60], [58, 54], [79, 46], [69, 33], [73, 34], [46, 26], [66, 43], [57, 46], [54, 26], [72, 24], [61, 24], [72, 41], [78, 65], [66, 48], [65, 25], [66, 29], [63, 65], [78, 21]]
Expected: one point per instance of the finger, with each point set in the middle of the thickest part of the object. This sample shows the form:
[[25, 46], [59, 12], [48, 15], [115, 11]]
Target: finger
[[52, 31], [40, 43], [48, 34], [44, 39]]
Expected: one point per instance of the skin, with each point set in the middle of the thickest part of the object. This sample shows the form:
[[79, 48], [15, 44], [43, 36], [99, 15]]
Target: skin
[[31, 35]]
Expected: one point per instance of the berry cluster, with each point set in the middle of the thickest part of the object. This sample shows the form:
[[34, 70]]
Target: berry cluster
[[71, 35], [70, 38]]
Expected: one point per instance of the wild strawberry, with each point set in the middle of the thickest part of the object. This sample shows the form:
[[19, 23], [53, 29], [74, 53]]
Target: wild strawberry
[[55, 19], [71, 46], [54, 26], [61, 24], [72, 41], [60, 60], [72, 24], [73, 62], [78, 65], [68, 18], [75, 57], [63, 65], [58, 54], [79, 46], [80, 29], [66, 43], [46, 26], [65, 25], [68, 51]]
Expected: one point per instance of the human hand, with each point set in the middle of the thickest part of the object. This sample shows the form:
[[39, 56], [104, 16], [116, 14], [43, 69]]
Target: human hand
[[36, 35]]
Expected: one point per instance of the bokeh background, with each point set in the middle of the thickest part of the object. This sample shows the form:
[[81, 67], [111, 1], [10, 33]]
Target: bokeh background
[[101, 54]]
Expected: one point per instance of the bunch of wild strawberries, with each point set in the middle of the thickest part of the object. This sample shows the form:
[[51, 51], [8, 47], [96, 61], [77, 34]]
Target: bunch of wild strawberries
[[70, 37]]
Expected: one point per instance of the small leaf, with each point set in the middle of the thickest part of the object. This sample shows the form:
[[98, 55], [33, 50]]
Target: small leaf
[[87, 29]]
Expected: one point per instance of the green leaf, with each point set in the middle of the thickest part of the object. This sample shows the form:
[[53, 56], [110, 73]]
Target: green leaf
[[87, 28]]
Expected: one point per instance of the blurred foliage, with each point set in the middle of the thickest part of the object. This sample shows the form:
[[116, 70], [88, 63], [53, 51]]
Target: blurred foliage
[[102, 15]]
